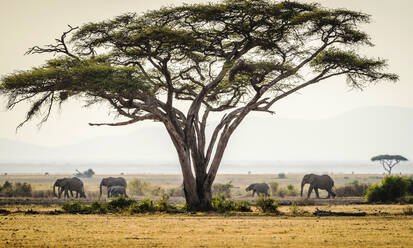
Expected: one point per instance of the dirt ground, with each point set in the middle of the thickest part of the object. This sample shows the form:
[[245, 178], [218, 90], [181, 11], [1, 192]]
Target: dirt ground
[[388, 227]]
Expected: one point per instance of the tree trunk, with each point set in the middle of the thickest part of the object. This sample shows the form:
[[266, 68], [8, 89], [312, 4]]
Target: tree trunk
[[201, 201]]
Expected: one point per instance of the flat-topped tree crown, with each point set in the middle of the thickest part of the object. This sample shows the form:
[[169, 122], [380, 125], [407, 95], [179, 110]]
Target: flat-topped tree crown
[[233, 57], [388, 161]]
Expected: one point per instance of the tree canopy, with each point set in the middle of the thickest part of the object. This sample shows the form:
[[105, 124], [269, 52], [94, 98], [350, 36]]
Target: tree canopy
[[232, 57], [388, 161]]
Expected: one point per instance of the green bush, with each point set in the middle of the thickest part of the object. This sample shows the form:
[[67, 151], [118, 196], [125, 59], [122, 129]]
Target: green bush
[[119, 204], [16, 190], [98, 208], [139, 188], [221, 204], [410, 187], [143, 206], [242, 206], [291, 190], [75, 208], [353, 189], [391, 189], [274, 188], [222, 189], [267, 205]]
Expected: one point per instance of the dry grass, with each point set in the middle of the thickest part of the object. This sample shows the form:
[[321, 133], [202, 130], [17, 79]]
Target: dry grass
[[19, 230]]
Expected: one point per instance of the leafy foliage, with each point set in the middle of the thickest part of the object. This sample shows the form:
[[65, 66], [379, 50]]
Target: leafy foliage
[[233, 56], [222, 205], [16, 190], [388, 161], [267, 205], [352, 189], [222, 189], [391, 189]]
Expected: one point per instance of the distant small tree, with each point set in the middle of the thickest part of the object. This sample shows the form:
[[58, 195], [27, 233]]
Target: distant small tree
[[388, 161]]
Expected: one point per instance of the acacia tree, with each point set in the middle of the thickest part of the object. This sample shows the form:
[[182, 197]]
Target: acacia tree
[[388, 161], [230, 58]]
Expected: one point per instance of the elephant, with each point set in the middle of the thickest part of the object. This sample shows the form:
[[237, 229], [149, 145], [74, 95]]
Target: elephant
[[59, 183], [115, 191], [69, 185], [112, 181], [318, 182], [259, 188]]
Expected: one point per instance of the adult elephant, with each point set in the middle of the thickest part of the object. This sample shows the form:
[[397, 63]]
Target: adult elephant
[[59, 183], [112, 181], [318, 182], [115, 191], [259, 188], [67, 185]]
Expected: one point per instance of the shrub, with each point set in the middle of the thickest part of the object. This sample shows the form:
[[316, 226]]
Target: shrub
[[220, 204], [22, 189], [222, 189], [391, 189], [143, 206], [119, 203], [139, 188], [267, 205], [410, 187], [282, 192], [296, 210], [16, 190], [352, 190], [176, 192], [73, 207], [162, 204], [243, 206], [98, 208], [291, 191], [274, 188]]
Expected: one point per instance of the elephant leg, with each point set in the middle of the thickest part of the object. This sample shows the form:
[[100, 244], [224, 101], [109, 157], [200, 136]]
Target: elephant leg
[[253, 192], [310, 190], [328, 196], [66, 194], [59, 192], [330, 192], [316, 192], [71, 193]]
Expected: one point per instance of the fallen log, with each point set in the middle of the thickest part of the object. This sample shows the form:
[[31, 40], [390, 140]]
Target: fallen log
[[330, 213]]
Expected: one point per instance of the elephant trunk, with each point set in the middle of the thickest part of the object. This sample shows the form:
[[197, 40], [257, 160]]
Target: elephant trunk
[[101, 184], [302, 186], [54, 189]]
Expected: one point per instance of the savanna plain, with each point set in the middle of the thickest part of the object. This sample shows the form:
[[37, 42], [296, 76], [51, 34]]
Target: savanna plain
[[31, 222]]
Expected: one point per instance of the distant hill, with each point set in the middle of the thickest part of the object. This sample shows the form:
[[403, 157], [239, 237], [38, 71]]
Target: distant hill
[[354, 135]]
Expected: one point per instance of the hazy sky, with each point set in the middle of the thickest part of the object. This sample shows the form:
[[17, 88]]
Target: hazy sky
[[26, 23]]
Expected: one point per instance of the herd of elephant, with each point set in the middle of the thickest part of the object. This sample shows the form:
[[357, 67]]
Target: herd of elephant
[[324, 182], [116, 186]]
